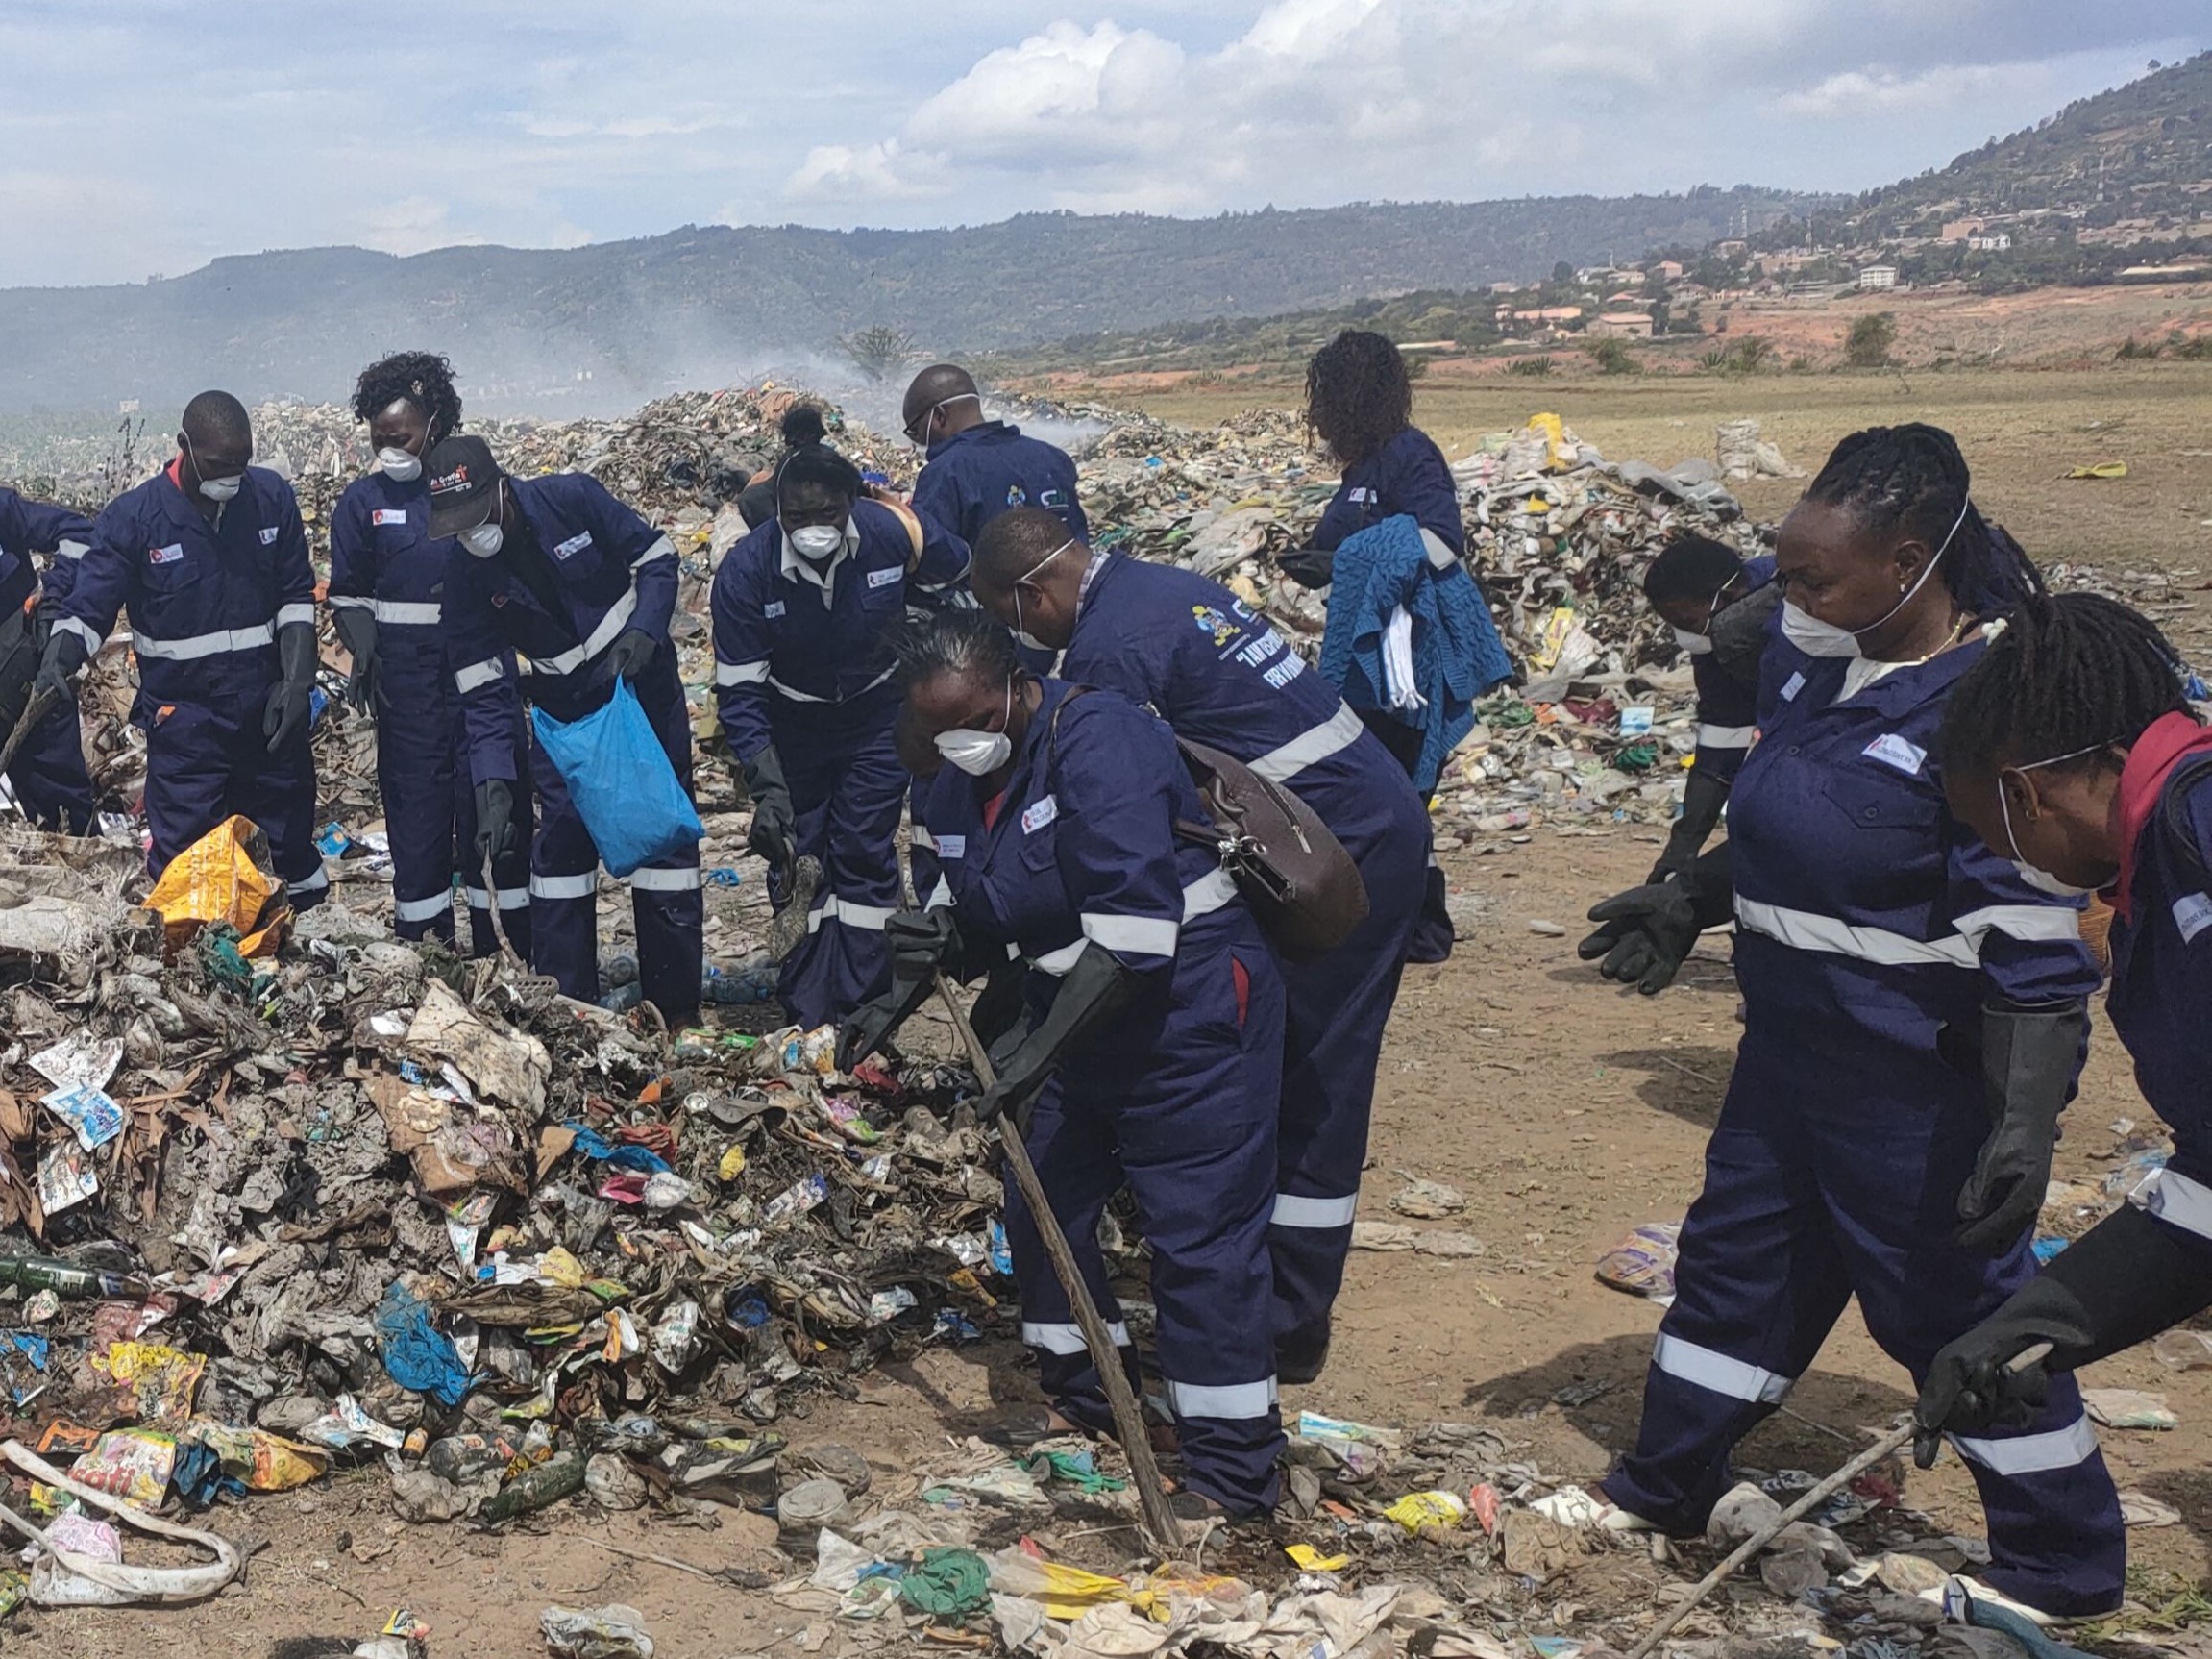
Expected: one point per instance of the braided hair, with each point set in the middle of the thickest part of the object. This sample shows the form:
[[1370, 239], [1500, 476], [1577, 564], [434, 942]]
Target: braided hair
[[1911, 481], [2068, 673], [419, 378], [1358, 393], [968, 644]]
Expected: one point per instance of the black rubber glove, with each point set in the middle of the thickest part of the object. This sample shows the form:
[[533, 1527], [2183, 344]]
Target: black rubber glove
[[1702, 800], [2028, 1058], [868, 1026], [21, 652], [775, 823], [920, 940], [1094, 990], [1308, 566], [2128, 1278], [495, 820], [628, 656], [1650, 930], [65, 654], [358, 632], [289, 699], [997, 1016]]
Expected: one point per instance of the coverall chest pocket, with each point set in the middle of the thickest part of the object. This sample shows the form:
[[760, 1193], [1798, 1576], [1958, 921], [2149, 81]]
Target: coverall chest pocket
[[1885, 823], [578, 556], [173, 570]]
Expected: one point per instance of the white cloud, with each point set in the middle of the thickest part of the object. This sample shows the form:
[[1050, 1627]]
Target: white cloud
[[1857, 92], [880, 172], [417, 124], [1315, 101]]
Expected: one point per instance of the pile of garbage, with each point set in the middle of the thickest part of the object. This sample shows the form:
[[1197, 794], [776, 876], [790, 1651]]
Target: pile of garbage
[[1603, 715], [363, 1200]]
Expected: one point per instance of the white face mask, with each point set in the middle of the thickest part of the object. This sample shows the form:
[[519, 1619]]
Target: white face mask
[[2034, 874], [1818, 638], [484, 539], [1019, 633], [817, 541], [1695, 644], [221, 488], [979, 754], [398, 465]]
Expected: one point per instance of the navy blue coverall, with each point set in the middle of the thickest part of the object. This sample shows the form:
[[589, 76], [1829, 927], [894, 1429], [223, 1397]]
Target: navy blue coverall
[[974, 476], [1176, 1095], [47, 775], [1867, 920], [1407, 475], [801, 662], [206, 597], [383, 562], [1726, 708], [614, 573], [1221, 675], [2161, 943]]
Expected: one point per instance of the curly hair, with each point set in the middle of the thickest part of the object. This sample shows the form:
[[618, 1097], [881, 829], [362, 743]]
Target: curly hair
[[1358, 395], [419, 378]]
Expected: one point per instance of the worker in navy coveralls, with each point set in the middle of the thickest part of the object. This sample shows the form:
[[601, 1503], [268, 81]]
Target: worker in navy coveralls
[[1701, 587], [47, 775], [1154, 1050], [388, 584], [979, 468], [210, 559], [1360, 404], [556, 572], [1914, 1018], [803, 673], [1191, 651], [2071, 749]]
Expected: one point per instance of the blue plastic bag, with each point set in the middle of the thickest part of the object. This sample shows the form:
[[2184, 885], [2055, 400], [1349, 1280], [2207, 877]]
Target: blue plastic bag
[[618, 775]]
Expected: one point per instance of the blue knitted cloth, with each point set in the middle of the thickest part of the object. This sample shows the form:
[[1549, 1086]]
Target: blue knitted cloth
[[1458, 655]]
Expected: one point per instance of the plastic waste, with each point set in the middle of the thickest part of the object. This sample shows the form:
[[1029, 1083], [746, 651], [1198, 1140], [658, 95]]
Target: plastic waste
[[619, 778], [2183, 1350], [810, 1506], [536, 1489], [612, 1483], [610, 1632]]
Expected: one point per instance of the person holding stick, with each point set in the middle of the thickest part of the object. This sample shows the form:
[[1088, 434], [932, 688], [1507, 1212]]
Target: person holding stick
[[1154, 1052], [1914, 1015], [2071, 748]]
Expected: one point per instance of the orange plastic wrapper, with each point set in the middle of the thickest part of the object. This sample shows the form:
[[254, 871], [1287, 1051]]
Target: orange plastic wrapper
[[226, 876], [258, 1460]]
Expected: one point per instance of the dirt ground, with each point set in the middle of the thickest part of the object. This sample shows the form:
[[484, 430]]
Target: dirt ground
[[2020, 429], [1565, 1111]]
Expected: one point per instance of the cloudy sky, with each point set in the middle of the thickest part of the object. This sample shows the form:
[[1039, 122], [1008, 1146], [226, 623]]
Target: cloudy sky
[[150, 136]]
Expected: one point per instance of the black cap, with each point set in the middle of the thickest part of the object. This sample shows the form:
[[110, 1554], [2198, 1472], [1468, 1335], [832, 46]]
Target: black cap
[[464, 485]]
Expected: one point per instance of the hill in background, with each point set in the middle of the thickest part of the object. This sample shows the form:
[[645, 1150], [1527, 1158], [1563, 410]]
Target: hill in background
[[605, 327]]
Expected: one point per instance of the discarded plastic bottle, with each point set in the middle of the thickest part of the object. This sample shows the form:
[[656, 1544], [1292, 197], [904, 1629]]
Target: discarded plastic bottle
[[542, 1487], [36, 1273], [464, 1457], [2183, 1350], [751, 981]]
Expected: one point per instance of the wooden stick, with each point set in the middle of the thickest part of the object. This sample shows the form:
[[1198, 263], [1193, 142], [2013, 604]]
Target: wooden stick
[[1886, 1447], [1160, 1523], [1892, 1441], [33, 712]]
